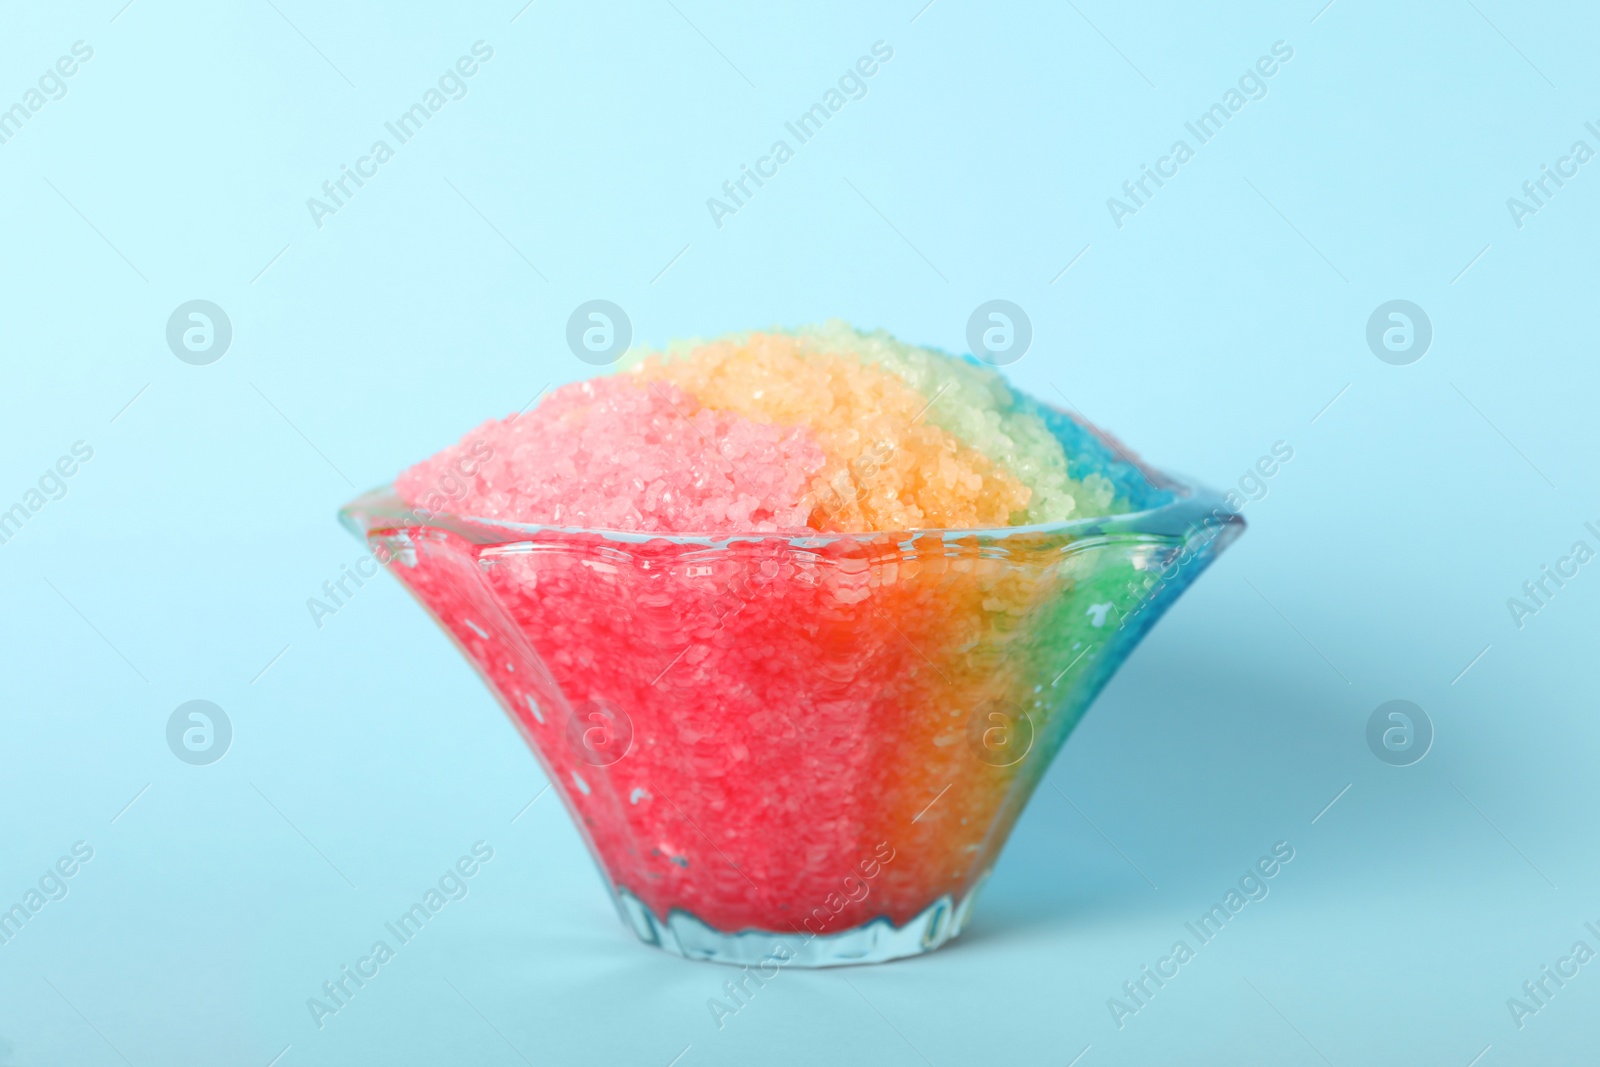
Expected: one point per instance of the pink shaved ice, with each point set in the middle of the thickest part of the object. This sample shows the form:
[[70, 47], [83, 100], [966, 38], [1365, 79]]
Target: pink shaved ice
[[619, 454]]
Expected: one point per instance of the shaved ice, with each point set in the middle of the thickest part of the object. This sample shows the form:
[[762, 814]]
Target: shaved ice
[[821, 429], [795, 621]]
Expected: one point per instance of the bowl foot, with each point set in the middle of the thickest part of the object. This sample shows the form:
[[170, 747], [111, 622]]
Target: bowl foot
[[871, 942]]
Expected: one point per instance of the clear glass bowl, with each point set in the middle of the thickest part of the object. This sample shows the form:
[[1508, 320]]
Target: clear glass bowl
[[806, 751]]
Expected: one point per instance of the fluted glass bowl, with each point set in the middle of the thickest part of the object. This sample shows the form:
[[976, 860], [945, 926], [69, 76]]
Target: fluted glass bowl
[[807, 750]]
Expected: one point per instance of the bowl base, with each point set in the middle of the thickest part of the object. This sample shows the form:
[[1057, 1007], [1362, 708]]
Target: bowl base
[[871, 942]]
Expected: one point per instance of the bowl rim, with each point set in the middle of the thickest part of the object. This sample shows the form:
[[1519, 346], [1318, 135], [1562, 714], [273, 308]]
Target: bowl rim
[[1188, 505]]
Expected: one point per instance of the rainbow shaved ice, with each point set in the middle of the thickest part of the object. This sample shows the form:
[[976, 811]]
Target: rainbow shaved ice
[[795, 621], [826, 428]]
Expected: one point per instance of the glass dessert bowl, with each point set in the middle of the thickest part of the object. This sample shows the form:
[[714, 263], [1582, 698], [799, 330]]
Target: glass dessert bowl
[[810, 749]]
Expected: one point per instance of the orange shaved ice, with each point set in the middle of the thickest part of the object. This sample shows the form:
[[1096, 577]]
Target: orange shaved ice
[[888, 466], [983, 411]]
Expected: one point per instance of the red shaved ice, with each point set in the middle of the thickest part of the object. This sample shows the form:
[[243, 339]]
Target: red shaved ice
[[620, 454]]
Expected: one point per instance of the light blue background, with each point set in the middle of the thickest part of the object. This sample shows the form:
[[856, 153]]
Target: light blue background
[[1220, 319]]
